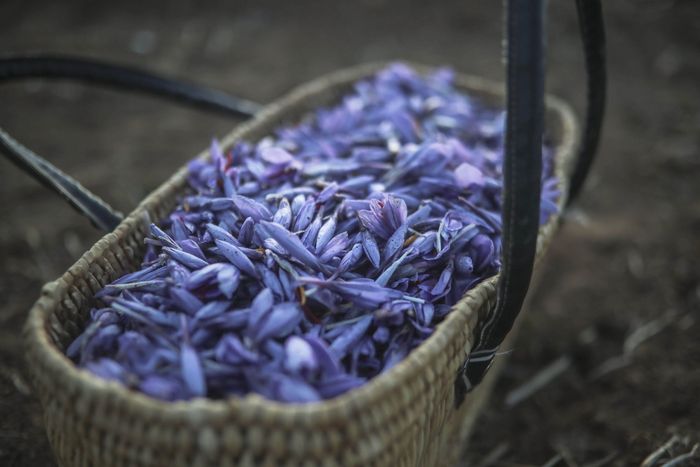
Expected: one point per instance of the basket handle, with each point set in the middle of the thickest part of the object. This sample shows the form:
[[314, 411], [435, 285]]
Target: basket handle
[[523, 161], [91, 71]]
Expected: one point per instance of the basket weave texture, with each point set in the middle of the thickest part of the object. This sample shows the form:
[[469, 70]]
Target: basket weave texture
[[405, 417]]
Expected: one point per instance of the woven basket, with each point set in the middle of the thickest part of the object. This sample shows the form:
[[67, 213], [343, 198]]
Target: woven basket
[[405, 417]]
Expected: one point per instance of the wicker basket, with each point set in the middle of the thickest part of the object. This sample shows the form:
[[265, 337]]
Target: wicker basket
[[406, 417]]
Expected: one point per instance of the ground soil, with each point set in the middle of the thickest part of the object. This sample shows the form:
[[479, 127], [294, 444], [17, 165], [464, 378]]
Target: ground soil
[[624, 268]]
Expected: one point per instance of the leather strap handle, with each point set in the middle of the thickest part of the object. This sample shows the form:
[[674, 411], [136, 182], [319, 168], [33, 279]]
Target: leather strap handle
[[523, 163], [123, 77], [90, 71], [100, 214], [592, 26]]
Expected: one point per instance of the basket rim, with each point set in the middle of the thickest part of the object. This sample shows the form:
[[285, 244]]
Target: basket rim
[[462, 318]]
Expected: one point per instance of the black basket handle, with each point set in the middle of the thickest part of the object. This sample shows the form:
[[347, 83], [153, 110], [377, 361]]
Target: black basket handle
[[87, 203], [523, 160]]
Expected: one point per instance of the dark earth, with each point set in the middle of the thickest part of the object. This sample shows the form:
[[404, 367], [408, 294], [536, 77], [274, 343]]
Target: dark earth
[[616, 313]]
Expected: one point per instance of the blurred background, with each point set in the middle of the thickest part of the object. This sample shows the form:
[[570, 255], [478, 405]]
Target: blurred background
[[613, 329]]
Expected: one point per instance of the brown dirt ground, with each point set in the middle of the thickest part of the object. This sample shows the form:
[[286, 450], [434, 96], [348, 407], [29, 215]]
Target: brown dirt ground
[[627, 259]]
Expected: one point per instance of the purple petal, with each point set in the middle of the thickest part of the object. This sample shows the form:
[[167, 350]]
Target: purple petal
[[310, 235], [203, 276], [165, 239], [278, 322], [245, 235], [445, 277], [219, 233], [185, 300], [369, 244], [291, 243], [351, 258], [327, 193], [248, 207], [228, 280], [351, 336], [283, 216], [192, 372], [275, 155], [299, 355], [231, 350], [304, 216], [184, 258], [107, 369], [335, 247], [295, 390], [261, 305], [272, 282], [327, 361], [325, 233], [338, 384], [162, 387], [237, 258], [467, 175], [395, 242]]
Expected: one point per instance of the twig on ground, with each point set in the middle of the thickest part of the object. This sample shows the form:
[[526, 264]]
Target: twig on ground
[[566, 454], [677, 461], [495, 455], [537, 382], [638, 336], [602, 461], [646, 331], [16, 378], [553, 461], [608, 366], [654, 457]]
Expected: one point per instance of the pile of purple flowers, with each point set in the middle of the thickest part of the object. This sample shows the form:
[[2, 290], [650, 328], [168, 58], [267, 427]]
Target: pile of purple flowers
[[302, 266]]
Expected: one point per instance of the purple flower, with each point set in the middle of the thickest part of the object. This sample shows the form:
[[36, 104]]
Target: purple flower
[[384, 216], [303, 265]]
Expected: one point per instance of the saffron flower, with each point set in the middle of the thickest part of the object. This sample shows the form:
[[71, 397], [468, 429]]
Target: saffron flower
[[303, 265]]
